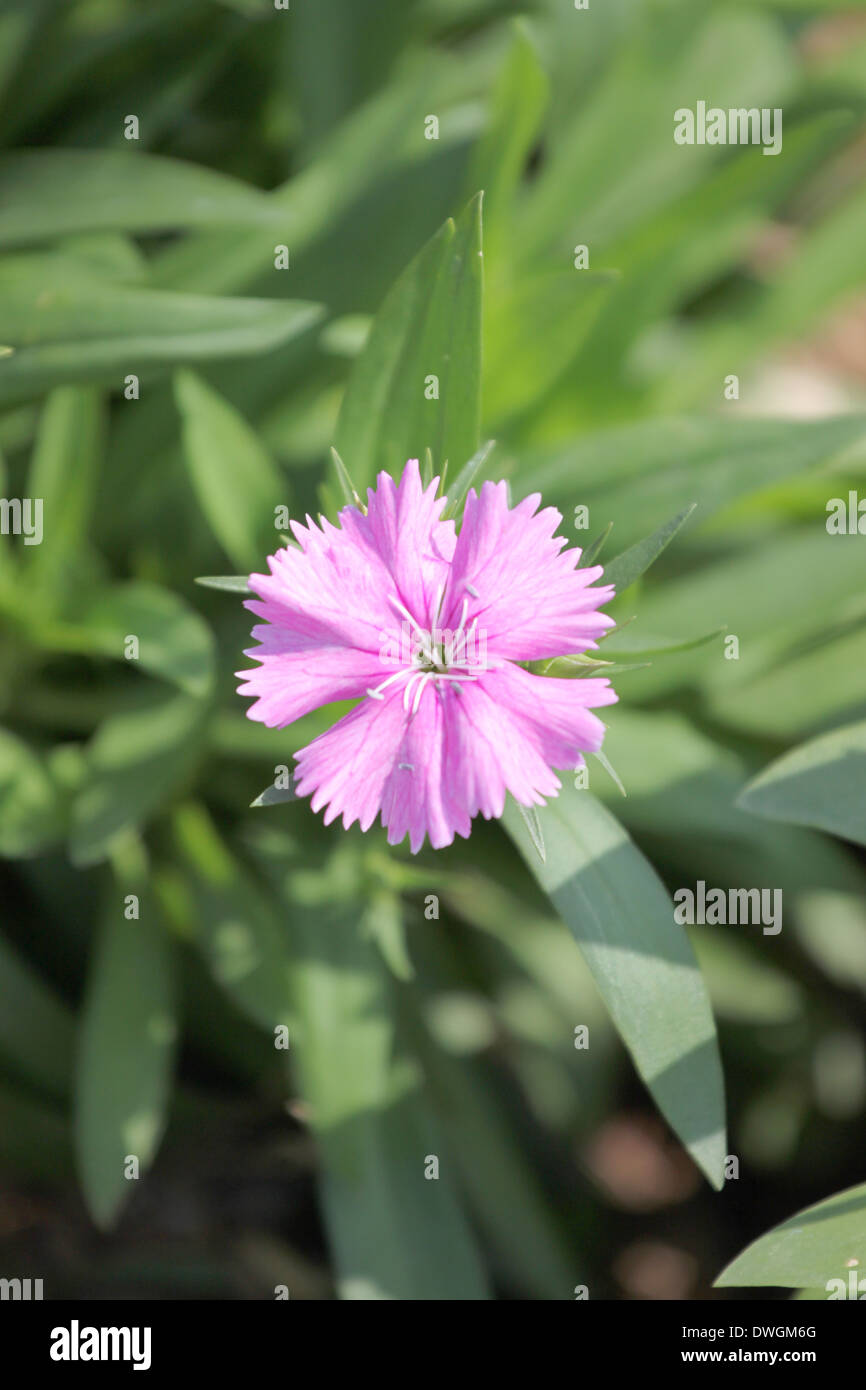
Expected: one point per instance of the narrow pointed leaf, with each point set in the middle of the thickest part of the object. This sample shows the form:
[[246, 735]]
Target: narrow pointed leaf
[[820, 784], [622, 918], [826, 1241], [275, 796], [529, 816], [393, 1234], [55, 193], [86, 328], [236, 481], [347, 487], [624, 569], [610, 770], [639, 645], [465, 479], [594, 549], [127, 1043], [226, 583], [417, 383]]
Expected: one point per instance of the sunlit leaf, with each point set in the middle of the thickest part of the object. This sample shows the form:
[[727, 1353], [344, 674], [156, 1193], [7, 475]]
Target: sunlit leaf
[[623, 920]]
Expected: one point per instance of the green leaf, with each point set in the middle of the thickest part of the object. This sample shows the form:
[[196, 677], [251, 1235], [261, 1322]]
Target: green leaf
[[239, 931], [393, 1234], [173, 641], [135, 763], [610, 770], [616, 145], [227, 583], [275, 796], [429, 325], [595, 547], [823, 270], [347, 487], [825, 1241], [64, 472], [819, 784], [335, 59], [798, 687], [742, 590], [642, 473], [682, 790], [128, 1030], [45, 194], [517, 105], [237, 484], [624, 569], [32, 807], [36, 1029], [575, 667], [535, 324], [66, 330], [831, 928], [465, 480], [623, 920], [378, 142], [639, 645], [743, 987], [529, 816], [497, 1175], [383, 922]]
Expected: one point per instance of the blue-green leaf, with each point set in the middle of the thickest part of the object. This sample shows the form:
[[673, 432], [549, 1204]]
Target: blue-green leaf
[[826, 1241], [820, 783], [623, 920]]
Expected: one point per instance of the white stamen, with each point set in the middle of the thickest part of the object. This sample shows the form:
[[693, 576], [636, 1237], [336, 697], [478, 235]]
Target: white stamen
[[375, 694], [418, 676], [425, 677], [395, 603]]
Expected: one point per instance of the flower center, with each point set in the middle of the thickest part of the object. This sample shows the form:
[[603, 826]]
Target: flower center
[[436, 654]]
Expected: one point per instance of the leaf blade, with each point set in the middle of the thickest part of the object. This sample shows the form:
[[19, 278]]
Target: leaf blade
[[808, 1249], [624, 569], [128, 1030], [50, 193], [236, 482], [620, 914], [819, 783], [428, 326]]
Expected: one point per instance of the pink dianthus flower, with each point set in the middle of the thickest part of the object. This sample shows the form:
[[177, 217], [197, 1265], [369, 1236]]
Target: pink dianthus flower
[[426, 629]]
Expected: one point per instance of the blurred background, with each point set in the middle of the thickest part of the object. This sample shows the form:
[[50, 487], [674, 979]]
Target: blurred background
[[173, 377]]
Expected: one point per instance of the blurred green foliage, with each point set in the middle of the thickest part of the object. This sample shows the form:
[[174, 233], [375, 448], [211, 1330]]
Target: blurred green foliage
[[274, 266]]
